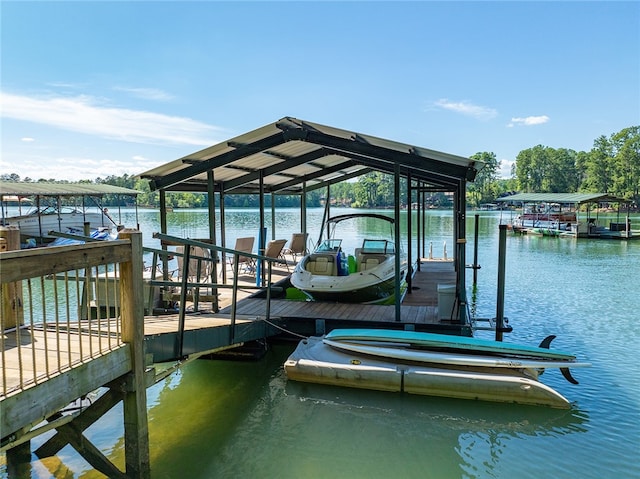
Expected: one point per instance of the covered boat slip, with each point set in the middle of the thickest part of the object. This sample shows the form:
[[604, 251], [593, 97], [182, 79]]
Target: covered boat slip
[[574, 215], [41, 207], [293, 157]]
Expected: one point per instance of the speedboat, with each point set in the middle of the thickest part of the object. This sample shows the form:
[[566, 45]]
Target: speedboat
[[365, 275]]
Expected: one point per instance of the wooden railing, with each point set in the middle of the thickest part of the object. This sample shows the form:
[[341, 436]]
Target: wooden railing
[[60, 308], [63, 306]]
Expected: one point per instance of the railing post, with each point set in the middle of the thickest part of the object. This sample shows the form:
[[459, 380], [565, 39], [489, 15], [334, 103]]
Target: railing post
[[136, 428], [12, 312]]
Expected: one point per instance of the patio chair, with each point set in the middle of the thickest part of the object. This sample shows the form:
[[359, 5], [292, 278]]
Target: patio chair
[[244, 245], [199, 263], [297, 246], [274, 249]]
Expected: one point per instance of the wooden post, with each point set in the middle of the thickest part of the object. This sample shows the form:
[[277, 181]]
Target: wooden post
[[136, 427], [11, 311]]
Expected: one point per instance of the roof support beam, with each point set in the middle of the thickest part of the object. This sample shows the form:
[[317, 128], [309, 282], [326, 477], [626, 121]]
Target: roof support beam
[[355, 174], [316, 174], [387, 167], [218, 161], [274, 169], [372, 151]]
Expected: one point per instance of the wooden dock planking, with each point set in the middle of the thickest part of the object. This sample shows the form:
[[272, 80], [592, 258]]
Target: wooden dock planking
[[425, 282], [61, 354]]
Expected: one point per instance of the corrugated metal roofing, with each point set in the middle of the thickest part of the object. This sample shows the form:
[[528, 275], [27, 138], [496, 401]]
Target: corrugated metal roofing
[[290, 153], [61, 189], [566, 198]]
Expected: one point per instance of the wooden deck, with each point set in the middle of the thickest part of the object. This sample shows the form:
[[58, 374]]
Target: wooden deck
[[419, 310]]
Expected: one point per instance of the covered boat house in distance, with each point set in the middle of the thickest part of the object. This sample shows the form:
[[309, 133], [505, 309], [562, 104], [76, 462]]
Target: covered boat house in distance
[[61, 207], [569, 215], [293, 157]]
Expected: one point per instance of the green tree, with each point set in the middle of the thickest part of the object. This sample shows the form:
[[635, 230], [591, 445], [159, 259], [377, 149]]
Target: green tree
[[561, 172], [626, 163], [484, 188], [599, 166]]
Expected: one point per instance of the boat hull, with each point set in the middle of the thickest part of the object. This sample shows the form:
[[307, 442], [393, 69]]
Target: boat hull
[[374, 286], [40, 225], [315, 362], [375, 293]]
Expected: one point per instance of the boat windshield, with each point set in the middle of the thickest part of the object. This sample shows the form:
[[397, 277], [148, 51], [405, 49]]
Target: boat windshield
[[329, 245], [378, 246]]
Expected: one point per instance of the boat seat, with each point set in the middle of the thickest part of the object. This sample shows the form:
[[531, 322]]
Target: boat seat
[[321, 265], [370, 261]]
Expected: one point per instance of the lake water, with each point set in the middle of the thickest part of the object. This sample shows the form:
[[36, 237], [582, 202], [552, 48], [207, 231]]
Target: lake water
[[227, 420]]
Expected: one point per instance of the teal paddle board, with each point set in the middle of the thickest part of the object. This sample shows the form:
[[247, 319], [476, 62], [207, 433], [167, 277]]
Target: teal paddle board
[[446, 341]]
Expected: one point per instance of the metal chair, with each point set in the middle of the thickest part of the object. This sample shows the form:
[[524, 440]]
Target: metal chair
[[199, 263], [243, 245], [297, 246], [274, 249]]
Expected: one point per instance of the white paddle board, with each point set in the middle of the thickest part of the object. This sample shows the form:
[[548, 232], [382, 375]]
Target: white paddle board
[[470, 360]]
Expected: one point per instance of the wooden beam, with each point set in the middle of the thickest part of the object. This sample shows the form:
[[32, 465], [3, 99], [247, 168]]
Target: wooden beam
[[86, 418], [91, 453]]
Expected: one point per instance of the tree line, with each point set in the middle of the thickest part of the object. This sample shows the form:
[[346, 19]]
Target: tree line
[[612, 167]]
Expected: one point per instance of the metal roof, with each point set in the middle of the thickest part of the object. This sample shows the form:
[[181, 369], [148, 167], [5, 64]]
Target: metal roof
[[22, 189], [291, 154], [565, 198]]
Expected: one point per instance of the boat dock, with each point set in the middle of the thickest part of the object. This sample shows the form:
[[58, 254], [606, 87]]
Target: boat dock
[[557, 215], [86, 317], [207, 331], [55, 352]]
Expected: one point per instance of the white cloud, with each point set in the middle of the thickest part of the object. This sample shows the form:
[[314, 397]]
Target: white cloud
[[468, 109], [504, 170], [83, 114], [146, 93], [26, 139], [529, 120]]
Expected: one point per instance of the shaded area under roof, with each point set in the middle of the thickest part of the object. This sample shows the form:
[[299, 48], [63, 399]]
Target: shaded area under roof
[[21, 189], [290, 155], [564, 198]]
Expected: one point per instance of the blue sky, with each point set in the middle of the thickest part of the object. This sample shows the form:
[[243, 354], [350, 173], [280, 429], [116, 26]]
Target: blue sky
[[92, 89]]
